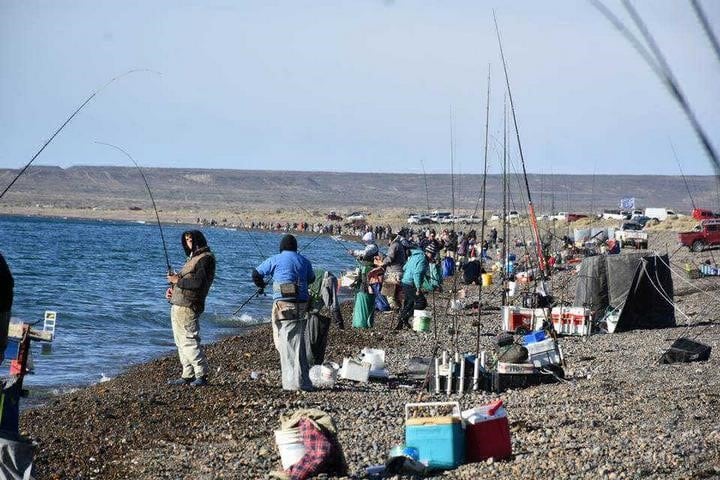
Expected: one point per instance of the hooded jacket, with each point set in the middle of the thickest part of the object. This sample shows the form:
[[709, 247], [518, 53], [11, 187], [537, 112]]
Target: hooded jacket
[[396, 257], [415, 268], [6, 286], [197, 274]]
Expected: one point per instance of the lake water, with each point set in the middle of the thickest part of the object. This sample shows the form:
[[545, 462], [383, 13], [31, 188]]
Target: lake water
[[106, 280]]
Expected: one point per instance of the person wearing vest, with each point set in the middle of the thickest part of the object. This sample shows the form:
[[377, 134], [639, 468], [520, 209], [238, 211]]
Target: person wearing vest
[[187, 292], [291, 274]]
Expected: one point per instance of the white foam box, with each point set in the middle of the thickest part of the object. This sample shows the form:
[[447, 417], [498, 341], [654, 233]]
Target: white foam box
[[355, 370], [544, 353]]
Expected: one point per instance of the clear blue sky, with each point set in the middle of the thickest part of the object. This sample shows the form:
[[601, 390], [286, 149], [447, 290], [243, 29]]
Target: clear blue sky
[[355, 85]]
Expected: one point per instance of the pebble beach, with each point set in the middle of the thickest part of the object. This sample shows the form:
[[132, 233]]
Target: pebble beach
[[618, 414]]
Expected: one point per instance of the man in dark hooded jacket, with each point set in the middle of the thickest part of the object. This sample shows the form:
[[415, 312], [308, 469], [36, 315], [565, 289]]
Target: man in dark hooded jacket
[[6, 298], [291, 274], [187, 293]]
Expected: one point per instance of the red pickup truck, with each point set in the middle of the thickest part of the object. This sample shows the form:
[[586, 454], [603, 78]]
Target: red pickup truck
[[707, 233]]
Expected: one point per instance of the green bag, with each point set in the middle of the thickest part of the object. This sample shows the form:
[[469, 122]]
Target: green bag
[[433, 278], [364, 310]]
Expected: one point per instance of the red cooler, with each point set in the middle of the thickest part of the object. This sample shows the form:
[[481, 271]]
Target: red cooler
[[487, 433]]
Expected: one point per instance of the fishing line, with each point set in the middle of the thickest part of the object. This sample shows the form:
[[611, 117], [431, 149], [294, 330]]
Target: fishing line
[[27, 165], [687, 187], [152, 199]]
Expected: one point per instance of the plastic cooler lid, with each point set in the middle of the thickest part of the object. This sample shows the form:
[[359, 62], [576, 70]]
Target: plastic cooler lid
[[419, 421]]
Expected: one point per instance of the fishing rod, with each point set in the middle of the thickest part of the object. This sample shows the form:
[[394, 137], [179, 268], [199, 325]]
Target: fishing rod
[[77, 110], [482, 222], [531, 208], [687, 187], [152, 199], [452, 165], [427, 192], [706, 26], [657, 63]]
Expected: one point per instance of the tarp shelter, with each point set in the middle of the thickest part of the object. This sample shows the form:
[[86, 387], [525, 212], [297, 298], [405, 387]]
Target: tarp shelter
[[639, 285]]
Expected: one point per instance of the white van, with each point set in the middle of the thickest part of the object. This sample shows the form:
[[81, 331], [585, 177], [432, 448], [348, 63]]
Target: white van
[[660, 214]]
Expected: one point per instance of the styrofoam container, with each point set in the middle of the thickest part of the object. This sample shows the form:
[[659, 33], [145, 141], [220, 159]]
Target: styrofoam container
[[515, 368], [355, 370], [544, 353], [290, 445], [374, 356]]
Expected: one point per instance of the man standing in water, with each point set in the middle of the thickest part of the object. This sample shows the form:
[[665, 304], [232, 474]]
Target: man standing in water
[[291, 274], [187, 293], [6, 298]]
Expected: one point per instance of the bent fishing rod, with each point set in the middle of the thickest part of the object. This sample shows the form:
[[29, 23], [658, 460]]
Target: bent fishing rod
[[655, 59], [152, 199], [77, 110]]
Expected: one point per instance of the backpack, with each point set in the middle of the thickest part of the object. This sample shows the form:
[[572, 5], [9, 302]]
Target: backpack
[[448, 267]]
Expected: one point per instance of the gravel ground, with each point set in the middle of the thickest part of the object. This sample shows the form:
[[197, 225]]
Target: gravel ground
[[620, 414]]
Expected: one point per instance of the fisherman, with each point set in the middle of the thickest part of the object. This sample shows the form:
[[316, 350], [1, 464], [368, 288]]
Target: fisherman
[[7, 283], [493, 237], [323, 294], [187, 293], [412, 279], [368, 253], [364, 302], [291, 273], [393, 265]]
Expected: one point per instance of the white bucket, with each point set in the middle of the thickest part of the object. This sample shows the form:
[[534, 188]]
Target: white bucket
[[374, 356], [290, 445], [511, 289]]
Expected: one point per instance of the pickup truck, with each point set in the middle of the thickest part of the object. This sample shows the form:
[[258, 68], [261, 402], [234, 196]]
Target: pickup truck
[[631, 234], [707, 233]]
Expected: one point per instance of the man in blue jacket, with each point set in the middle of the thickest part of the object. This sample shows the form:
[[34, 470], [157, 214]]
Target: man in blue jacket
[[412, 279], [291, 274]]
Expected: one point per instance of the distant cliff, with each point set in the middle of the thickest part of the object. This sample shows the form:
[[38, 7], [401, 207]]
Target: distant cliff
[[122, 187]]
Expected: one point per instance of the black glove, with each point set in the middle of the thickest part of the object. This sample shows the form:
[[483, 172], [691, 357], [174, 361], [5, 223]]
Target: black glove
[[260, 291]]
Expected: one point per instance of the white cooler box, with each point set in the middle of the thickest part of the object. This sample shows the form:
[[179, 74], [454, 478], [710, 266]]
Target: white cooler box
[[544, 353]]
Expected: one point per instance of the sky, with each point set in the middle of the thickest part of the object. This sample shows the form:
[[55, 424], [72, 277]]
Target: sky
[[351, 85]]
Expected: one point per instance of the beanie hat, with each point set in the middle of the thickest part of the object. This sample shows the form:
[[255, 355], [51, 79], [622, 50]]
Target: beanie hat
[[431, 249], [369, 237], [288, 242]]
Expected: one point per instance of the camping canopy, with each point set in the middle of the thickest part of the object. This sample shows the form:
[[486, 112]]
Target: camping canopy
[[638, 284]]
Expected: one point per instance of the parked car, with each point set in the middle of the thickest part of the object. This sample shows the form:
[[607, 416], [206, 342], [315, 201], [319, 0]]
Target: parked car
[[614, 215], [513, 215], [469, 219], [641, 219], [700, 214], [356, 216], [559, 216], [334, 217], [631, 233], [572, 217], [494, 217], [438, 216], [705, 234], [660, 214], [418, 219]]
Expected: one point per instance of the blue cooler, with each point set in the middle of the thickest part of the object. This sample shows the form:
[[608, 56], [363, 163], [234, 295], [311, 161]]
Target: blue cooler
[[440, 439]]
